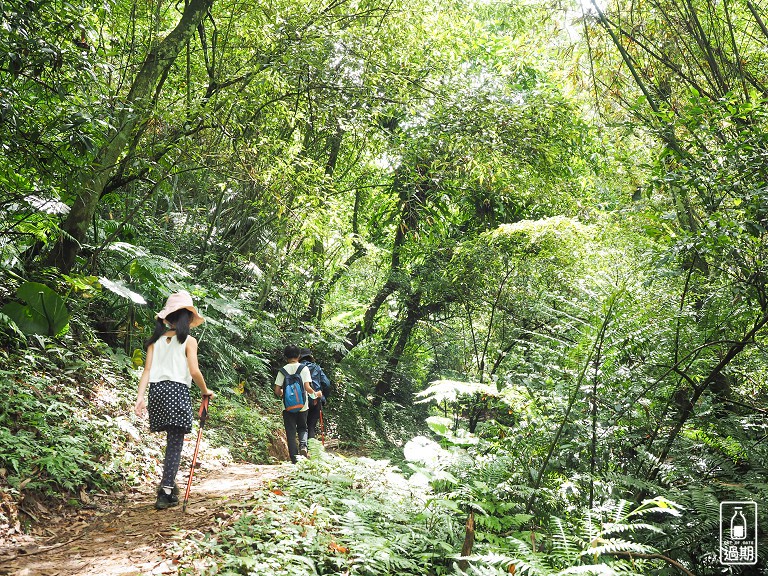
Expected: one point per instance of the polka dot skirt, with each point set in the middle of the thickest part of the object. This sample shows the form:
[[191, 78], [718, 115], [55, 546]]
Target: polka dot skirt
[[170, 406]]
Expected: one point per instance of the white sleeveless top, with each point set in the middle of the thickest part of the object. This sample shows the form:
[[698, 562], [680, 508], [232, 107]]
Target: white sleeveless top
[[169, 362]]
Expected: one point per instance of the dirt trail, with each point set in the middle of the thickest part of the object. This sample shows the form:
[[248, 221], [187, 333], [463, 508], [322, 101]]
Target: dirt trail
[[129, 537]]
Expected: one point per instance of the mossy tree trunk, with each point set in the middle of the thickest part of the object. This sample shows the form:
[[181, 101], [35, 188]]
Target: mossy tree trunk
[[131, 120]]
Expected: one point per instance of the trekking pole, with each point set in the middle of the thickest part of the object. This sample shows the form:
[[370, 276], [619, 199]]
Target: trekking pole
[[203, 414]]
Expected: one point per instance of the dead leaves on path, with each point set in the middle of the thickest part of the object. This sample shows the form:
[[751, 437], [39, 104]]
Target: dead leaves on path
[[128, 537]]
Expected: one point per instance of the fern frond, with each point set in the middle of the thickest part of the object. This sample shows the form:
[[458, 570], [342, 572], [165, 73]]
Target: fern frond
[[527, 560], [621, 528], [594, 569], [618, 513], [529, 564], [563, 545], [613, 545], [658, 504], [590, 527]]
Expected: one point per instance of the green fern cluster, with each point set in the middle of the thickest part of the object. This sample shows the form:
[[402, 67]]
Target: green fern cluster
[[333, 516], [599, 541], [59, 431]]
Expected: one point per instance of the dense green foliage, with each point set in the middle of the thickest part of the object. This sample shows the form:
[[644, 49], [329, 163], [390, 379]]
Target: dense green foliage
[[363, 516], [334, 515], [534, 231], [44, 447]]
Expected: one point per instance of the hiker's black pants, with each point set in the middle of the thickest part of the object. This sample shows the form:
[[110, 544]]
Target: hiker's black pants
[[313, 416], [173, 447], [295, 424]]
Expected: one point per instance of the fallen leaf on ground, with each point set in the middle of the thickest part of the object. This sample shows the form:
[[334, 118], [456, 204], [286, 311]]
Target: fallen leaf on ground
[[336, 548]]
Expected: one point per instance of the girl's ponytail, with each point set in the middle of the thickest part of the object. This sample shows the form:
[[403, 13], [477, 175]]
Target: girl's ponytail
[[179, 320], [157, 332]]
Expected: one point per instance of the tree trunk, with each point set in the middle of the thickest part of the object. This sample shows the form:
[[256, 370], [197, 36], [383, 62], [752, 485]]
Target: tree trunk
[[136, 108], [365, 328], [687, 409], [320, 285], [469, 539], [412, 315]]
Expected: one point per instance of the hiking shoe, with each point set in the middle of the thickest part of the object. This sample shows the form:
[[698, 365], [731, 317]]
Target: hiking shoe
[[166, 501], [303, 452], [174, 491]]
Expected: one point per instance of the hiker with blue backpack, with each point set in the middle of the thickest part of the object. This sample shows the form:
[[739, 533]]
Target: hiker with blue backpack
[[293, 384], [320, 383]]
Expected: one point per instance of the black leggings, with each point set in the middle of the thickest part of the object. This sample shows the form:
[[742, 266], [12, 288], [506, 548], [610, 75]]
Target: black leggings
[[173, 448]]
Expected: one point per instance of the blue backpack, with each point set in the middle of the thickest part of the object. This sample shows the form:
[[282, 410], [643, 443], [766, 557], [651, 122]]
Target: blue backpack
[[294, 395], [319, 380]]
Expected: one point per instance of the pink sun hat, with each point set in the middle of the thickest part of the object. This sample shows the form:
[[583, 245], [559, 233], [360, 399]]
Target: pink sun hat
[[180, 300]]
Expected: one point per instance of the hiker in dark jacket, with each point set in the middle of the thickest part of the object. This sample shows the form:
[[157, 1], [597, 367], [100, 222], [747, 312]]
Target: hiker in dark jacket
[[320, 383]]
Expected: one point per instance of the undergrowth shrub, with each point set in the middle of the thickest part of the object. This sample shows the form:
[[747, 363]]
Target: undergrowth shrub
[[58, 430], [333, 515], [244, 429]]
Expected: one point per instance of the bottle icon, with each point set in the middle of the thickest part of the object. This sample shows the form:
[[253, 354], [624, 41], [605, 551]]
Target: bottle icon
[[738, 525]]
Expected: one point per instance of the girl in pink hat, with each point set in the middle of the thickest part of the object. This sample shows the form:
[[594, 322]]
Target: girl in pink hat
[[169, 370]]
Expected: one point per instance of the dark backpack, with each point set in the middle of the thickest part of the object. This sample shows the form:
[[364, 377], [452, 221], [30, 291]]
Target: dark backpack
[[294, 394], [319, 380]]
